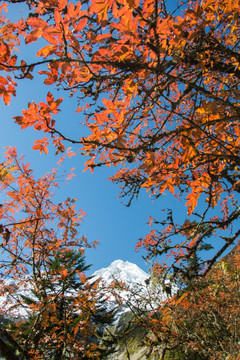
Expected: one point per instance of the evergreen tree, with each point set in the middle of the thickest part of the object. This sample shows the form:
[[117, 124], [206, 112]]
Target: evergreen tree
[[53, 331]]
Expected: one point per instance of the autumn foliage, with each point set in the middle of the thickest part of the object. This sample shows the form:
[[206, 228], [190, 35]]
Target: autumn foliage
[[201, 321], [158, 90], [43, 281]]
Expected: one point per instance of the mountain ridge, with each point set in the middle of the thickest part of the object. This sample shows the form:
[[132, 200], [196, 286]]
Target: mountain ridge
[[122, 271]]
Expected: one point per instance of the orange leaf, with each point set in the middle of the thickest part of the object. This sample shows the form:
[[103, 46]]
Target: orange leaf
[[3, 80], [6, 98], [50, 38], [62, 4], [47, 50], [70, 153]]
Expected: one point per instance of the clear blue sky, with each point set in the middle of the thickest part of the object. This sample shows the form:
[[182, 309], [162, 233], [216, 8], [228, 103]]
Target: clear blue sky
[[117, 227]]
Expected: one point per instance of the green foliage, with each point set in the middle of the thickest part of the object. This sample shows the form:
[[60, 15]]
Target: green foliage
[[53, 329]]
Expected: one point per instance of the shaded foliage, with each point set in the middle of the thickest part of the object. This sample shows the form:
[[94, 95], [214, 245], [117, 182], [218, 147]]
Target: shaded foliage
[[202, 320]]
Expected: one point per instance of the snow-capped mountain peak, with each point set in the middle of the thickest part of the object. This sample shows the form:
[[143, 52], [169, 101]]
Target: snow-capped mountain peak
[[135, 291], [124, 271]]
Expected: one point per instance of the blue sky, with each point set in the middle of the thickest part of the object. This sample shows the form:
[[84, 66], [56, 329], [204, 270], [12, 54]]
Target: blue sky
[[116, 226]]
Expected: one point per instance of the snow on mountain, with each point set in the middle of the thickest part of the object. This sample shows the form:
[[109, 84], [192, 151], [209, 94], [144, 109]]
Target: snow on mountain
[[134, 290], [124, 271], [10, 301]]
